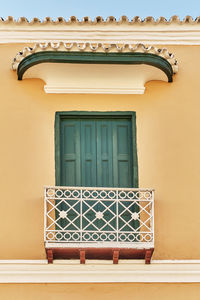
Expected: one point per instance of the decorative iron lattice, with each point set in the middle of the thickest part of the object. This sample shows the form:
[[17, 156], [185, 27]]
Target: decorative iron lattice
[[99, 215]]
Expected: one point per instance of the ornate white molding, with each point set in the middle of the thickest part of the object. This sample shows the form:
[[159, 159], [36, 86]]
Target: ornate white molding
[[148, 31], [95, 79], [99, 271]]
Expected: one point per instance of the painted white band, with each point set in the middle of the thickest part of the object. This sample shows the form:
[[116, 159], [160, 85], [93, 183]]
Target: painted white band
[[102, 272], [154, 35], [65, 90]]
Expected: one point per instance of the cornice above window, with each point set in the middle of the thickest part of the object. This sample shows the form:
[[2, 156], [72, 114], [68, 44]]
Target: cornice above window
[[98, 69]]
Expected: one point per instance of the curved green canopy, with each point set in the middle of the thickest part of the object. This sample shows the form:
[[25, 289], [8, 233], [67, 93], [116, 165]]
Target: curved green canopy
[[127, 58]]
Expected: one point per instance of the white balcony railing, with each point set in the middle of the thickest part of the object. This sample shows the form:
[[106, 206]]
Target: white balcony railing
[[99, 217]]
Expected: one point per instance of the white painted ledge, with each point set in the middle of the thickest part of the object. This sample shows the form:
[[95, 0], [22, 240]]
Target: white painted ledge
[[65, 90], [132, 245], [152, 34], [24, 271]]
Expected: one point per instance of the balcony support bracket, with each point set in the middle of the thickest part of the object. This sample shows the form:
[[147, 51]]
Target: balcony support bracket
[[82, 256], [148, 255], [50, 256], [115, 257]]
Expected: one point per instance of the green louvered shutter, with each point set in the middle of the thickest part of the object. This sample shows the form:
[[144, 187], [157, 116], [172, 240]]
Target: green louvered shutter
[[70, 152]]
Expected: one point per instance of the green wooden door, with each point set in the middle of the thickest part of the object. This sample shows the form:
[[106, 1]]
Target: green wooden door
[[96, 152]]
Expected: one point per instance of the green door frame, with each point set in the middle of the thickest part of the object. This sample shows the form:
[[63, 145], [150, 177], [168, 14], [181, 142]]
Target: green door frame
[[86, 114]]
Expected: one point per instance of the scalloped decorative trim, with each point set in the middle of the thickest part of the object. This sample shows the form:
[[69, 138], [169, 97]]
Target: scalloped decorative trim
[[99, 20], [91, 47]]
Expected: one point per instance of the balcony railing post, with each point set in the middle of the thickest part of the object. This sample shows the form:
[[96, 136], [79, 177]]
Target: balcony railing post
[[152, 225], [117, 215], [45, 214], [81, 214]]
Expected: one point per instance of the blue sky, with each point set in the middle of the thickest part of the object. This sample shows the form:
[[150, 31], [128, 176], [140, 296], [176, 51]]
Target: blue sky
[[92, 8]]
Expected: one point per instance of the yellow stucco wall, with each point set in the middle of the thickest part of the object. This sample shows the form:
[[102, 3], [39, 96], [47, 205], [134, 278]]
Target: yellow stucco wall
[[168, 126], [125, 291]]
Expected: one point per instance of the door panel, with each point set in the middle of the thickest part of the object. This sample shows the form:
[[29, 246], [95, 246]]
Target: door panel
[[96, 152], [122, 153], [104, 153], [70, 153], [88, 153]]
